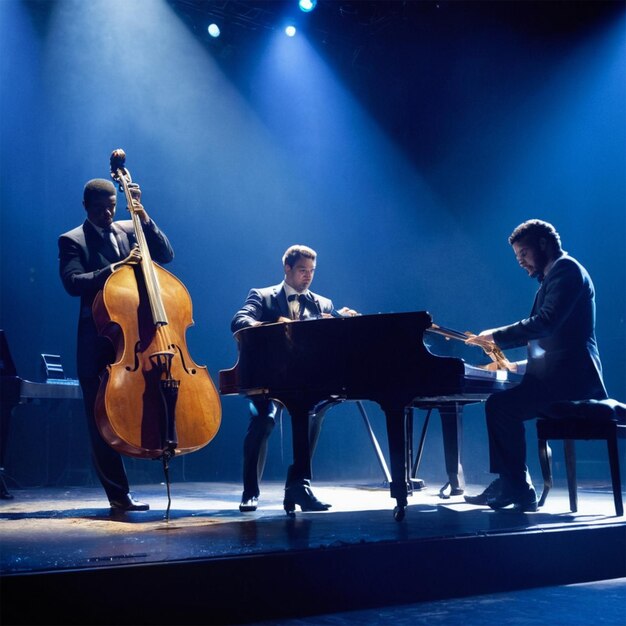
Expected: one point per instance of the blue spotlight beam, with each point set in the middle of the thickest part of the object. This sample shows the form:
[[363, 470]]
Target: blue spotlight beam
[[307, 5]]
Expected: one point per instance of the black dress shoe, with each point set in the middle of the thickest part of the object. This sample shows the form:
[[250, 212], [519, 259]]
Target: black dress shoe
[[523, 500], [491, 492], [303, 496], [128, 503], [248, 504], [448, 491]]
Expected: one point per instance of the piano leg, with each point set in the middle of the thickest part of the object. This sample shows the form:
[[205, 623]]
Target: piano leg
[[396, 433], [452, 430], [377, 450], [416, 483]]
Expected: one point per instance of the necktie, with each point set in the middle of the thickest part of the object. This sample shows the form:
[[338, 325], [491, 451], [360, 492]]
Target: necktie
[[111, 241]]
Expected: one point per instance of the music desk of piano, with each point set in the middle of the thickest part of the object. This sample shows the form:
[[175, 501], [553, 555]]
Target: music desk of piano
[[379, 357]]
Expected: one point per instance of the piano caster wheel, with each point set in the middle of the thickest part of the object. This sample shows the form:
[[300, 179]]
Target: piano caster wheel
[[290, 508], [399, 512]]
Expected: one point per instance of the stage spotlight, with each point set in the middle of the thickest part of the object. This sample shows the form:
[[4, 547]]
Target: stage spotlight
[[214, 30], [307, 5], [290, 30]]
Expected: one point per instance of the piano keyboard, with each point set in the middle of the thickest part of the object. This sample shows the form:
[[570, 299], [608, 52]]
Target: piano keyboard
[[472, 371], [60, 389]]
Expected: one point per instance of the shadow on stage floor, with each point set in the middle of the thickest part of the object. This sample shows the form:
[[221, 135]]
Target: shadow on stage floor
[[78, 564]]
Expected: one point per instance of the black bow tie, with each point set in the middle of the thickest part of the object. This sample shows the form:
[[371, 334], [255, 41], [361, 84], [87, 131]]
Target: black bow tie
[[295, 296]]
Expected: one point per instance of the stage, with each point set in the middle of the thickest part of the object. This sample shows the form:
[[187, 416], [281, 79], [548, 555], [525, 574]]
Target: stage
[[78, 564]]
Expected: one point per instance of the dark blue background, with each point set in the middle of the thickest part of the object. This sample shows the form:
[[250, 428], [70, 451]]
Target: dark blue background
[[404, 145]]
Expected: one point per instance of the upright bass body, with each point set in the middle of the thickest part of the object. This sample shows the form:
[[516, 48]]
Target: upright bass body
[[130, 410], [153, 401]]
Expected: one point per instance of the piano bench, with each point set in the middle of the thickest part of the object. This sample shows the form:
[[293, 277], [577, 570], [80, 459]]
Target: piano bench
[[581, 420]]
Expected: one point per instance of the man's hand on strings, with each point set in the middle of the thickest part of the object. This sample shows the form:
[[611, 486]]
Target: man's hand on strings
[[135, 192], [132, 259]]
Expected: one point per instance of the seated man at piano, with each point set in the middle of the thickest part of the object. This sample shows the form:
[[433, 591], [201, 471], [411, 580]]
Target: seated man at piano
[[289, 301], [88, 255], [563, 359]]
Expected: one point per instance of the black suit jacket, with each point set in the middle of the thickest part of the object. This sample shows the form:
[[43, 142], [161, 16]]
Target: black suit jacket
[[560, 333], [84, 265], [270, 303]]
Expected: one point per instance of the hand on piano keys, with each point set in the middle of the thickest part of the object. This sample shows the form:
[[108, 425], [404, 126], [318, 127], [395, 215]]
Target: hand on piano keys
[[486, 342], [344, 312], [494, 367], [518, 367]]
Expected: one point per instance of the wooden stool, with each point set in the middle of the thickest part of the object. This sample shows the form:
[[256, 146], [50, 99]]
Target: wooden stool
[[583, 420]]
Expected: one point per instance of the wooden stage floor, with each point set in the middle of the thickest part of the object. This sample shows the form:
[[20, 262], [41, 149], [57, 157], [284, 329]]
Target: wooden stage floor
[[56, 542]]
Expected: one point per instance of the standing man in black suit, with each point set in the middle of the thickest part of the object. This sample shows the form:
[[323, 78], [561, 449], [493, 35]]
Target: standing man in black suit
[[88, 255], [288, 301], [563, 359]]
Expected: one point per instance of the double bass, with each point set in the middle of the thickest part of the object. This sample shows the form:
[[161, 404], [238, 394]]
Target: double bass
[[154, 402]]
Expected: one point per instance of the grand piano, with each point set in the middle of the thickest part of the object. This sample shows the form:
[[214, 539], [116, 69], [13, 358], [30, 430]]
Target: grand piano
[[382, 358], [15, 390]]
